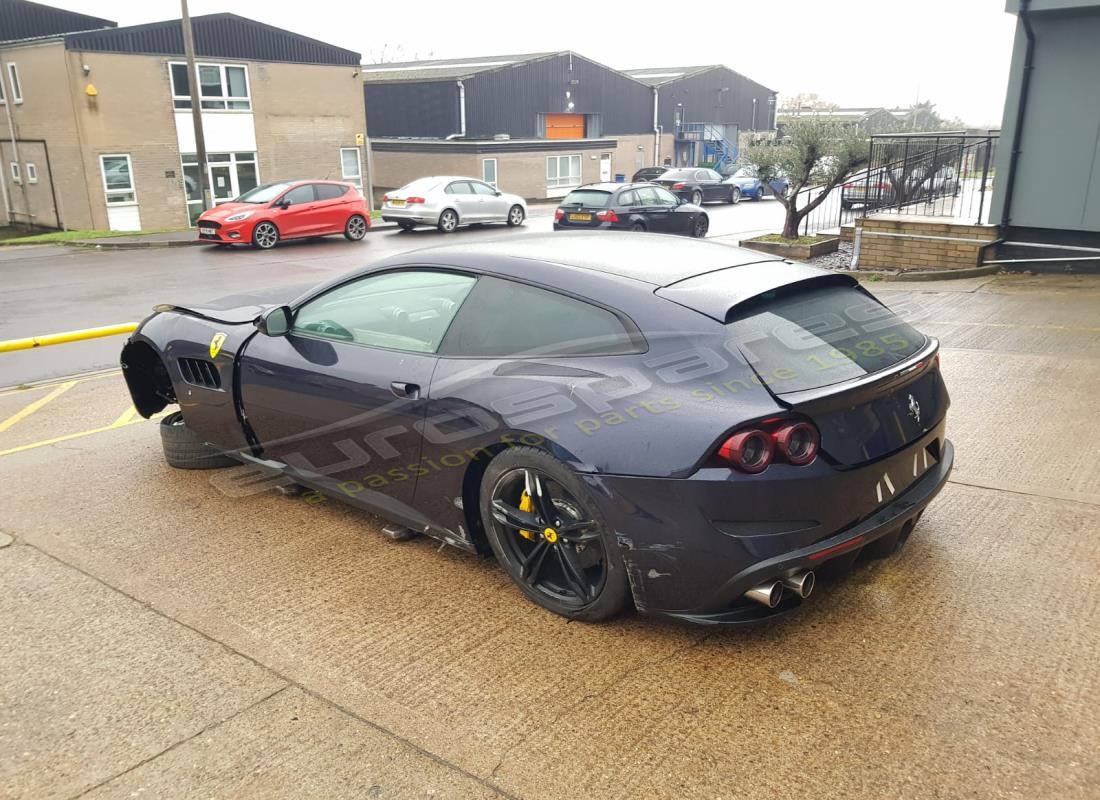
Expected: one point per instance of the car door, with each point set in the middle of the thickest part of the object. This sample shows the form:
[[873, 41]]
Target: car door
[[658, 214], [678, 219], [339, 398], [295, 217], [492, 205], [466, 203], [330, 210], [711, 184]]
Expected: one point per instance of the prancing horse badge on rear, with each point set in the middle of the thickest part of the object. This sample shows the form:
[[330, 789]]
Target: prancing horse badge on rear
[[914, 409]]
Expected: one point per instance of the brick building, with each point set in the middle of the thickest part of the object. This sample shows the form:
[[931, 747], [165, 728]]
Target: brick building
[[97, 131]]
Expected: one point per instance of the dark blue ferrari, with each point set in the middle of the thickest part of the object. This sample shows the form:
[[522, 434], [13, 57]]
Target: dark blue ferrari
[[684, 426]]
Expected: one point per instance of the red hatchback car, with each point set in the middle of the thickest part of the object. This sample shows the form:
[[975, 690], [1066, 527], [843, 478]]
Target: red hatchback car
[[287, 210]]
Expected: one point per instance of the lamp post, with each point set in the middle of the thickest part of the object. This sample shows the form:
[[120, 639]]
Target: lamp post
[[196, 108]]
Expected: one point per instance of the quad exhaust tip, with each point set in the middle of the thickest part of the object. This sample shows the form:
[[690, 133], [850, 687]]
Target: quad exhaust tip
[[801, 583], [767, 594]]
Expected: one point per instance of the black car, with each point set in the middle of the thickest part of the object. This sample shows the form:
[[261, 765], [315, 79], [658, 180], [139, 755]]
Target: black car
[[698, 185], [629, 207], [687, 427], [647, 174]]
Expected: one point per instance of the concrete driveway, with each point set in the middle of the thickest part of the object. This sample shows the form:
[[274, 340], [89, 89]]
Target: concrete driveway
[[161, 638]]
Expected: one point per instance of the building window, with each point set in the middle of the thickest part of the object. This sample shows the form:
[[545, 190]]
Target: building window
[[563, 171], [222, 87], [489, 171], [16, 86], [351, 168], [32, 173], [228, 175], [16, 177], [118, 179]]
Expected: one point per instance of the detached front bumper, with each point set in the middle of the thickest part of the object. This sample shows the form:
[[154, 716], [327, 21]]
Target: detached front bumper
[[692, 548]]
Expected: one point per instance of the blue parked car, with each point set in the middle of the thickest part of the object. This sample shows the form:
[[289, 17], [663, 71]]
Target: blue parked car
[[748, 185]]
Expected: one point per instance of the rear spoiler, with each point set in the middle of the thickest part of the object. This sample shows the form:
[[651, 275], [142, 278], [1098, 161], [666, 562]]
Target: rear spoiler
[[718, 293]]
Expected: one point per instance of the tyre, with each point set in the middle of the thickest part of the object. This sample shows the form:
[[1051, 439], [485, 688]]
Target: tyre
[[637, 227], [735, 195], [759, 194], [185, 449], [516, 215], [548, 534], [355, 228], [699, 226], [448, 221], [697, 198], [265, 236]]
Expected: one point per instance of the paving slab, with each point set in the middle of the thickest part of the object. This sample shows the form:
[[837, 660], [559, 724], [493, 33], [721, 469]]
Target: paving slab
[[93, 682], [294, 745]]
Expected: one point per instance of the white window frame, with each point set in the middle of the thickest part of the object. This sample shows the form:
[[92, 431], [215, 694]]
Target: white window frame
[[108, 193], [557, 181], [496, 172], [225, 99], [3, 93], [16, 83], [16, 175], [355, 180], [31, 171]]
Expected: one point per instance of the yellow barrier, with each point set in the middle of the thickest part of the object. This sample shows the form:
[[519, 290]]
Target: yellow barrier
[[69, 336]]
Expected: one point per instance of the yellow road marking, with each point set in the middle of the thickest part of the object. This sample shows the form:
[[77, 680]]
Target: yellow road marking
[[126, 418], [70, 436], [30, 408]]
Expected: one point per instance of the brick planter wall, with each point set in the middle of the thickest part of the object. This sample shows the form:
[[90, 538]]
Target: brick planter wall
[[890, 241]]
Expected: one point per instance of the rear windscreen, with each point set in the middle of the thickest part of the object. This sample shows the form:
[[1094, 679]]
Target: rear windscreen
[[588, 198], [819, 336]]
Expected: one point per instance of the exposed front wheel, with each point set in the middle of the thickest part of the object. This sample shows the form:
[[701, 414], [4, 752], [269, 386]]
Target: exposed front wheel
[[699, 226], [265, 235], [735, 195], [547, 532], [356, 228], [516, 216], [448, 221], [185, 449]]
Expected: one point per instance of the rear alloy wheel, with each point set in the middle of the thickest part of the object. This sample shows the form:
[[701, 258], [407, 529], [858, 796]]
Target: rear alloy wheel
[[265, 235], [547, 533], [699, 226], [638, 227], [448, 221], [355, 229], [735, 195], [516, 216], [697, 198], [759, 194], [185, 449]]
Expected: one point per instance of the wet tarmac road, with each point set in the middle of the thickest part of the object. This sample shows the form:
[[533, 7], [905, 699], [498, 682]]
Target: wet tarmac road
[[162, 639]]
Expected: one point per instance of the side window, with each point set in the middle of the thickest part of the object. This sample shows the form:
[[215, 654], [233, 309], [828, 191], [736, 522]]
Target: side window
[[503, 318], [300, 194], [702, 175], [460, 187], [330, 191], [628, 199], [714, 176], [481, 188], [648, 196], [665, 198], [407, 310]]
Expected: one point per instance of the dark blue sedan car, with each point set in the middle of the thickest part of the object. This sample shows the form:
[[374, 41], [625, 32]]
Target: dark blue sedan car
[[622, 419]]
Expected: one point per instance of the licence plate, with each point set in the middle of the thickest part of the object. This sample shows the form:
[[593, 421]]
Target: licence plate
[[580, 217], [206, 231], [397, 203]]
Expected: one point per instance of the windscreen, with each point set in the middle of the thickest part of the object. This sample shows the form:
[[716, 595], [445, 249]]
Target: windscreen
[[587, 198], [818, 336], [420, 185], [264, 194]]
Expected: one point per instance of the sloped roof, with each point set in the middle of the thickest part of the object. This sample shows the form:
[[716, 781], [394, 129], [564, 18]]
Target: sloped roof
[[216, 36], [444, 68], [656, 76], [20, 19]]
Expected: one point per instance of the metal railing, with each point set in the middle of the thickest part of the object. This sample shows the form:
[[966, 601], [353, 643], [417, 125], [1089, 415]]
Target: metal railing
[[946, 175]]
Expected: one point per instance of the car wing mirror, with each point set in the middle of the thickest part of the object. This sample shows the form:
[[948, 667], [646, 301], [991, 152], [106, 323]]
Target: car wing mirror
[[282, 203], [498, 192], [275, 321]]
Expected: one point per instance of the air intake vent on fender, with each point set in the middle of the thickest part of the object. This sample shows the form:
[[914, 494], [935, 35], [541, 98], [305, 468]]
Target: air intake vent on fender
[[198, 372]]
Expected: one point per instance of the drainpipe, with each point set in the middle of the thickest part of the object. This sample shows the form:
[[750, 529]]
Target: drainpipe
[[656, 133], [1021, 110], [461, 113]]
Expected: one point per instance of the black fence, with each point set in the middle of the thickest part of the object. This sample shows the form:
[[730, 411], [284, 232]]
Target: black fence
[[922, 174]]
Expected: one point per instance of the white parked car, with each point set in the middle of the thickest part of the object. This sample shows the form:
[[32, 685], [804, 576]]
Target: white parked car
[[447, 201]]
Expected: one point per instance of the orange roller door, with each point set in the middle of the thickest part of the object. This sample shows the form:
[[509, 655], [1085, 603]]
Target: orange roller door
[[565, 126]]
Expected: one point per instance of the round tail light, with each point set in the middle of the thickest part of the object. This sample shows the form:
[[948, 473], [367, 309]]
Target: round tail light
[[749, 450], [798, 443]]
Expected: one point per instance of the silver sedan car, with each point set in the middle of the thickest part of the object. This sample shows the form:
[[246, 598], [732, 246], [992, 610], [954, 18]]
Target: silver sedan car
[[447, 201]]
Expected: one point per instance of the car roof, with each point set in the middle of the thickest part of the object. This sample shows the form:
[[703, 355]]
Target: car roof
[[610, 186], [651, 259]]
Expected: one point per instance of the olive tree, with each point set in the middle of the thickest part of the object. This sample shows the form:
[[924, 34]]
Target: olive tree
[[813, 154]]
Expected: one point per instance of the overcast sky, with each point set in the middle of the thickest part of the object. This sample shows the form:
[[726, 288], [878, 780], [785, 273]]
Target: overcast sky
[[852, 52]]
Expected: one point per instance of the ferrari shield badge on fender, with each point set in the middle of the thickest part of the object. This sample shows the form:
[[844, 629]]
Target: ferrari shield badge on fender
[[216, 344]]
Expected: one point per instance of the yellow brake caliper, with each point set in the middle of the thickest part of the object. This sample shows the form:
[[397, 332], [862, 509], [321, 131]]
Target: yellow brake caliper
[[526, 504]]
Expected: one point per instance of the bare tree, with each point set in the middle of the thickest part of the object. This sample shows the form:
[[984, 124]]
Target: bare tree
[[814, 153]]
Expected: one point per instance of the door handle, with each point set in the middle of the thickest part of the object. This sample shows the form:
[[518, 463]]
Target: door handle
[[402, 389]]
